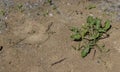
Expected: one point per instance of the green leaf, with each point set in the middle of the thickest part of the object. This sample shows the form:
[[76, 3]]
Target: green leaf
[[98, 23], [90, 20], [85, 51], [76, 36], [96, 35], [20, 6], [83, 32], [101, 30], [50, 2], [74, 29], [2, 12], [107, 25], [91, 6]]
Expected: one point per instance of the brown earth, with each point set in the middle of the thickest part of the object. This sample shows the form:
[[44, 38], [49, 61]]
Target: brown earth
[[36, 41]]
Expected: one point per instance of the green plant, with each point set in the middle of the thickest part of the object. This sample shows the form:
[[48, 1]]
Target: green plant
[[89, 34], [20, 7], [91, 6], [50, 2], [2, 12], [53, 6], [46, 13]]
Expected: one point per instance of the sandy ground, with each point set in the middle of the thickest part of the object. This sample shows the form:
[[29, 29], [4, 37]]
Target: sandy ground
[[36, 37]]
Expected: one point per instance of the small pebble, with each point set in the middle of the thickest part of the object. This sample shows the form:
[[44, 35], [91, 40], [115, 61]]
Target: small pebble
[[51, 14], [68, 4]]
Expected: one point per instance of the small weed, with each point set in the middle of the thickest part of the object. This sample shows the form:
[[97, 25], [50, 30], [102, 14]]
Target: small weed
[[53, 6], [2, 12], [20, 7], [91, 7], [46, 13], [50, 2], [89, 34]]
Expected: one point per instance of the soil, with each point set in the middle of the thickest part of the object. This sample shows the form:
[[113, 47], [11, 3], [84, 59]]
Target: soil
[[35, 36]]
